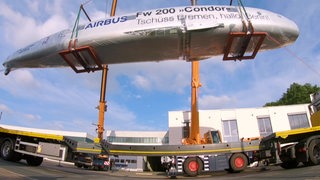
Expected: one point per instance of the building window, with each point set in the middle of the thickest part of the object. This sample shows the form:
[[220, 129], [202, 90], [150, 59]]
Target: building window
[[186, 129], [265, 127], [230, 131], [298, 120]]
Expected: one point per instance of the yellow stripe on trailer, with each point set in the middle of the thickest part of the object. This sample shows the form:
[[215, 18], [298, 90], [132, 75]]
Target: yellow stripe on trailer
[[285, 134], [31, 134], [183, 152], [89, 150]]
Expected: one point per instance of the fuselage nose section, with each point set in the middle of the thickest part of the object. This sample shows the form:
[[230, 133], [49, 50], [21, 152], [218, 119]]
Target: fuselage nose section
[[292, 30]]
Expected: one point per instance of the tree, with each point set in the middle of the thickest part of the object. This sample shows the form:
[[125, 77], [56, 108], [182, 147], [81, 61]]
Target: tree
[[296, 94]]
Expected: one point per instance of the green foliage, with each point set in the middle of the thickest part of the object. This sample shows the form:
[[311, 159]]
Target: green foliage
[[296, 94]]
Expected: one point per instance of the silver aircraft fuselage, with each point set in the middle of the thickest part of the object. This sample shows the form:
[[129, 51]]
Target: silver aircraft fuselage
[[187, 33]]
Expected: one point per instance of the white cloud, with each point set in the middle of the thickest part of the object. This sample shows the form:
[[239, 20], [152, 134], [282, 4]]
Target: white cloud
[[168, 76], [141, 82], [19, 82], [55, 7], [215, 102], [21, 29], [120, 113], [119, 117], [4, 108], [33, 5], [15, 116], [51, 88], [31, 117], [25, 79]]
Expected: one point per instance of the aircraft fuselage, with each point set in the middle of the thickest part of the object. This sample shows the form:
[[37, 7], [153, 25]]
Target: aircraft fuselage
[[187, 33]]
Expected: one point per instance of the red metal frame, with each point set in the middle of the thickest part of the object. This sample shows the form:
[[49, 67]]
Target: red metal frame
[[79, 58], [233, 35]]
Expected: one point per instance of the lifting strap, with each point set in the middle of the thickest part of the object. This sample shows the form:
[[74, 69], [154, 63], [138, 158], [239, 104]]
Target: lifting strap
[[239, 44], [83, 58]]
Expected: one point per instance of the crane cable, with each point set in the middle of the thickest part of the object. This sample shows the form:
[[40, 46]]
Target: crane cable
[[293, 54], [245, 18], [74, 34], [107, 2], [75, 26], [241, 6]]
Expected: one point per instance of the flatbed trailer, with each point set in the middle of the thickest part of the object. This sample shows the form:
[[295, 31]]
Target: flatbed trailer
[[234, 156], [161, 150], [289, 148], [193, 159], [33, 145], [286, 148]]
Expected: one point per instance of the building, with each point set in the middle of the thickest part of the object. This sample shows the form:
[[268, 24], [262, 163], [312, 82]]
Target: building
[[137, 163], [138, 137], [233, 124]]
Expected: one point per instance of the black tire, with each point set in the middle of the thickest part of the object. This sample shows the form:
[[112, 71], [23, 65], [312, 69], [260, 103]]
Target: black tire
[[192, 166], [289, 164], [314, 152], [17, 157], [105, 168], [34, 160], [238, 162], [7, 152], [78, 165]]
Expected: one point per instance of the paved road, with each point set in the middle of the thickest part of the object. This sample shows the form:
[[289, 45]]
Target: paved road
[[52, 171]]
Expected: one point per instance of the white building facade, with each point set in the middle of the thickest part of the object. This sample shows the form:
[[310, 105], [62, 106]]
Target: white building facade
[[235, 124]]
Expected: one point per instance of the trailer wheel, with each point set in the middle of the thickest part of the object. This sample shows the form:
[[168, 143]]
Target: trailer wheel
[[78, 165], [17, 156], [7, 152], [192, 166], [106, 168], [238, 162], [314, 152], [34, 160]]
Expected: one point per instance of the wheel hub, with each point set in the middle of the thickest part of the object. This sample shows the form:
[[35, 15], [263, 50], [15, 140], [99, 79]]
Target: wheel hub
[[6, 149], [193, 166], [239, 162]]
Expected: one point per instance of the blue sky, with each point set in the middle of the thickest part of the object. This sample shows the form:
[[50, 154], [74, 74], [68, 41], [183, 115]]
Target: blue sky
[[139, 95]]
